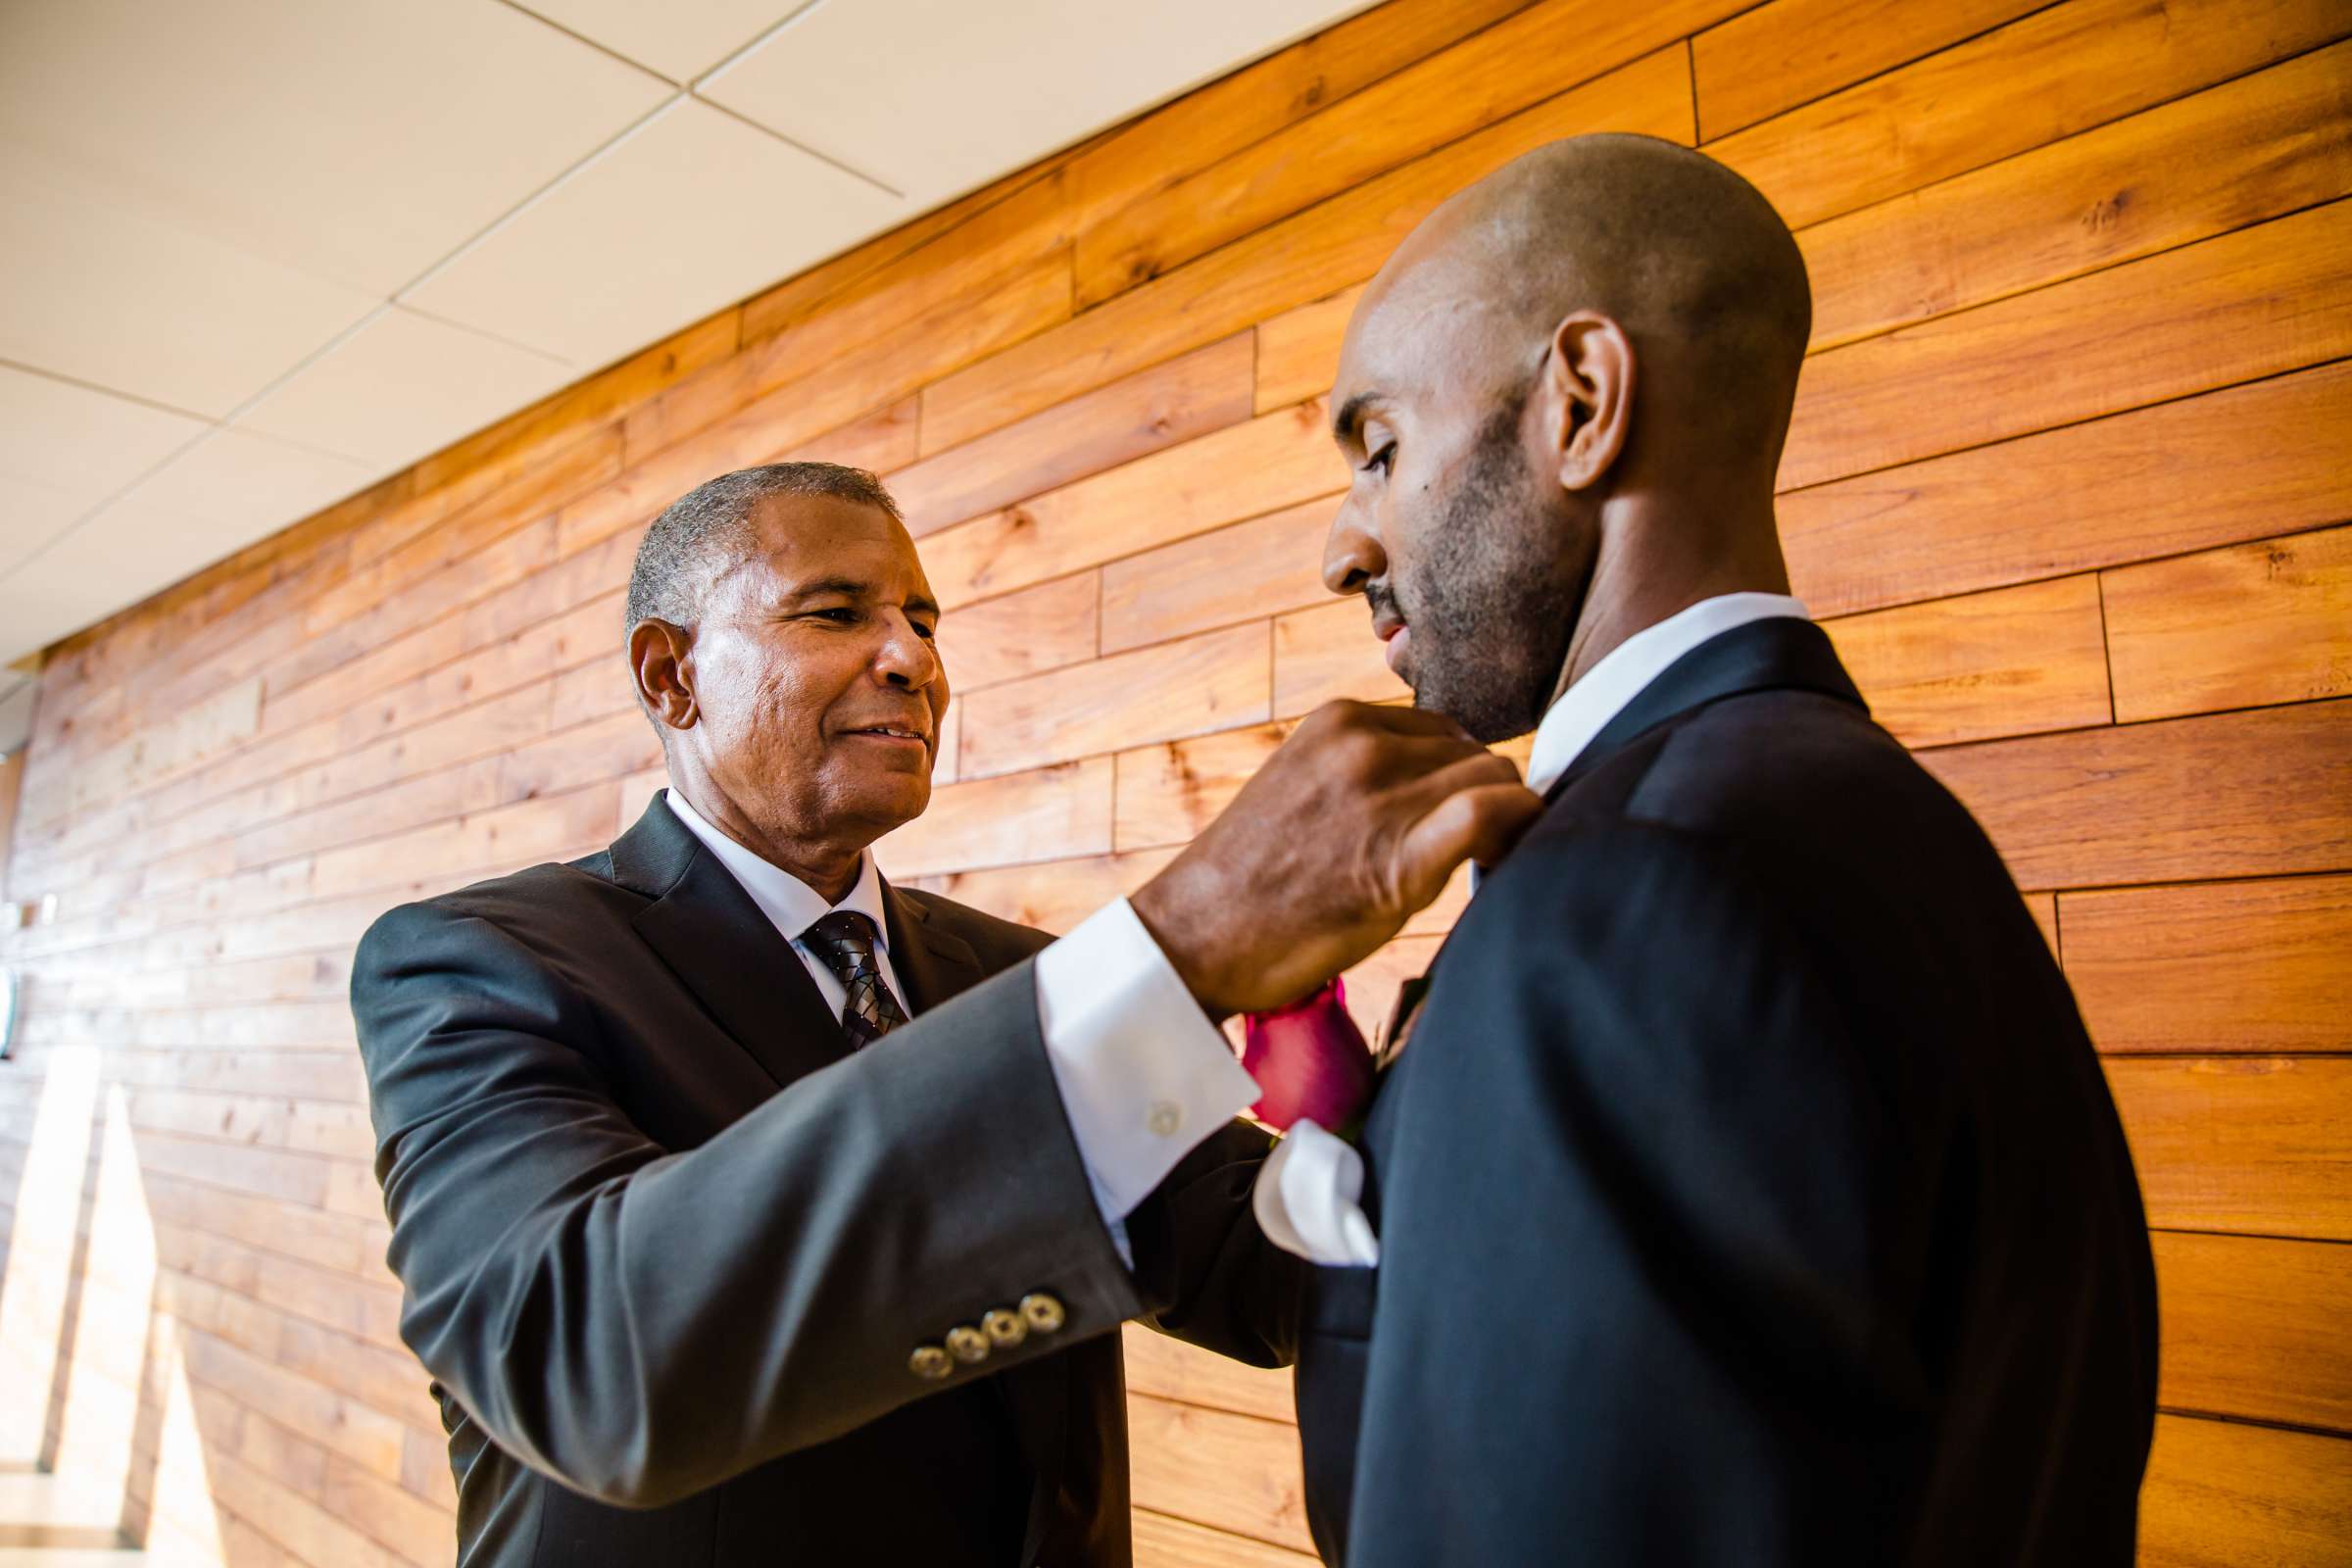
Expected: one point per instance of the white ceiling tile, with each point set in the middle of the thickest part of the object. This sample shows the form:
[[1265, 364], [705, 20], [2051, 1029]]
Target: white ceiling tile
[[44, 600], [248, 484], [938, 96], [64, 448], [690, 212], [221, 495], [108, 292], [680, 38], [359, 141], [402, 386]]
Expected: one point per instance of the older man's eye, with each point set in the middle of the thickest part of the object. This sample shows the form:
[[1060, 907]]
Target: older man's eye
[[925, 632], [840, 616], [1384, 461]]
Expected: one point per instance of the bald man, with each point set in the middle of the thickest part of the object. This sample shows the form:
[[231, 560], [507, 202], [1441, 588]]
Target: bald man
[[1748, 1192]]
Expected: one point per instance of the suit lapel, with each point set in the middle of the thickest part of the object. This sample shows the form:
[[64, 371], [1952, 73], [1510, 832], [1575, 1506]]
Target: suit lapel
[[715, 939], [932, 962], [1781, 653]]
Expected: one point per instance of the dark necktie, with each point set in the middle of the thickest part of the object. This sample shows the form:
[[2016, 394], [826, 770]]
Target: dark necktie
[[845, 939]]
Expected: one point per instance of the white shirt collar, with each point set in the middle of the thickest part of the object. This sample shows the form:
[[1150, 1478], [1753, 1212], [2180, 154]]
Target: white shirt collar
[[1585, 708], [787, 901]]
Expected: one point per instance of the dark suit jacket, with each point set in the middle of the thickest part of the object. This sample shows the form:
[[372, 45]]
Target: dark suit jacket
[[667, 1246], [1748, 1194]]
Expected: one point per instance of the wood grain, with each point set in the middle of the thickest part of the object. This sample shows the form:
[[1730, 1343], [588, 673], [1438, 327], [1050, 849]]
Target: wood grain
[[2259, 623], [2235, 794], [1251, 569], [1298, 350], [1212, 1467], [1190, 395], [1268, 462], [1791, 52], [2254, 303], [1039, 816], [1039, 628], [2252, 1145], [2075, 421], [1168, 792], [2243, 464], [1203, 683], [1338, 243], [2012, 661], [2226, 1495], [1489, 77], [2251, 966], [2252, 1328], [1170, 1369], [2256, 148], [1328, 653], [2059, 71], [1052, 894]]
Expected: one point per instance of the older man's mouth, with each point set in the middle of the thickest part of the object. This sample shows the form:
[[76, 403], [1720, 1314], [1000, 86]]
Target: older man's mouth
[[892, 734]]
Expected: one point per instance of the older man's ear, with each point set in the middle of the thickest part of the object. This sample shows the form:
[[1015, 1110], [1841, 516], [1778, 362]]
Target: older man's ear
[[660, 658]]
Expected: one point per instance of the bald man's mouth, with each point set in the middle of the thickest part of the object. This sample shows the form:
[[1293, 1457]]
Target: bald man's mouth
[[1394, 636]]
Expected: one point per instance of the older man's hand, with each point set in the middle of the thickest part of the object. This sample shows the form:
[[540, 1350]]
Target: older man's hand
[[1349, 829]]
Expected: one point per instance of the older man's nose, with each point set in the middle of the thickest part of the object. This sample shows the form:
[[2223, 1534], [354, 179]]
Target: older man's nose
[[908, 659]]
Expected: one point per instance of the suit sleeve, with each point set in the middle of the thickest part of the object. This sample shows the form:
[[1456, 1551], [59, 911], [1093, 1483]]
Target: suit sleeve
[[1206, 1272], [1650, 1228], [642, 1323]]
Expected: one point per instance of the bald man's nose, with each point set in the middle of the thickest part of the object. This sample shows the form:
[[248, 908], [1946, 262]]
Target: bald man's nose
[[1351, 554]]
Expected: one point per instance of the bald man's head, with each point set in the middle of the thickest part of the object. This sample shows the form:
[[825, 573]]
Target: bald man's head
[[1603, 337]]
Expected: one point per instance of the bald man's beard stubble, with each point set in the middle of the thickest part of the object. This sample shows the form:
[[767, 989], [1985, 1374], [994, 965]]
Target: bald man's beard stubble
[[1496, 594]]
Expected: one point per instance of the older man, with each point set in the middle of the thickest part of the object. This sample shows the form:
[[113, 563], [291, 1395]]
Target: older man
[[1748, 1193], [751, 1211]]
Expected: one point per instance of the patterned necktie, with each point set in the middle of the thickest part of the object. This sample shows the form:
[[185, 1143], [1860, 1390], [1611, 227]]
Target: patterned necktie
[[845, 939]]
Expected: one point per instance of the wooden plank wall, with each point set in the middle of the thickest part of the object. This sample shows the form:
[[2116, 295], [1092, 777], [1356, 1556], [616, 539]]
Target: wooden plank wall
[[2068, 485]]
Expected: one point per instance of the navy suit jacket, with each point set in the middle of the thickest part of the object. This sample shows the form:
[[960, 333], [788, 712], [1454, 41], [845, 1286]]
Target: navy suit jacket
[[1749, 1192]]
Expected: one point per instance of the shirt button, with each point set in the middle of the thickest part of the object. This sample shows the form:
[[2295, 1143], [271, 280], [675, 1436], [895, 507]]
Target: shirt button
[[1166, 1117]]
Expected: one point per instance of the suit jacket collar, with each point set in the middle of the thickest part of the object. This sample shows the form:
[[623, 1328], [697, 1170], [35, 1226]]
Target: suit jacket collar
[[1778, 654], [730, 955]]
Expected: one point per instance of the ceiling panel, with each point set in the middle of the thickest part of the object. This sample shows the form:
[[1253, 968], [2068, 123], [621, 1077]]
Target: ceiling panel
[[108, 292], [680, 38], [402, 386], [222, 494], [359, 141], [64, 448], [692, 212], [938, 98]]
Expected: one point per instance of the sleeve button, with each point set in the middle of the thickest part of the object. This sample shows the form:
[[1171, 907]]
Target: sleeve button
[[1043, 1312], [1006, 1328], [930, 1363], [967, 1344]]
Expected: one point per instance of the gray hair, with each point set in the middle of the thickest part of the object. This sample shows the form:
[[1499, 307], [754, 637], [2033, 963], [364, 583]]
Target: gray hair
[[709, 528]]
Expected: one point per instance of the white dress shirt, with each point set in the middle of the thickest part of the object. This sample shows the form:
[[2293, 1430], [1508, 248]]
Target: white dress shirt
[[1143, 1075], [1306, 1193]]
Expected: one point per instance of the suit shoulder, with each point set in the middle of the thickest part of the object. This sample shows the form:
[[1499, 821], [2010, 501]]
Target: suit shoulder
[[540, 908], [1006, 941]]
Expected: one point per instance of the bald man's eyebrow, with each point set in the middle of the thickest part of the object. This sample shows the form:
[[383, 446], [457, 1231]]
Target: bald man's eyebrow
[[1343, 424]]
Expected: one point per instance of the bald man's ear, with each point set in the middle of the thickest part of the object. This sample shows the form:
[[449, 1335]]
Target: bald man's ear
[[1588, 378], [661, 656]]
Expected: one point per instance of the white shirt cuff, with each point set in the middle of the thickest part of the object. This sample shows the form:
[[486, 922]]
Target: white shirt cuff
[[1308, 1198], [1143, 1075]]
